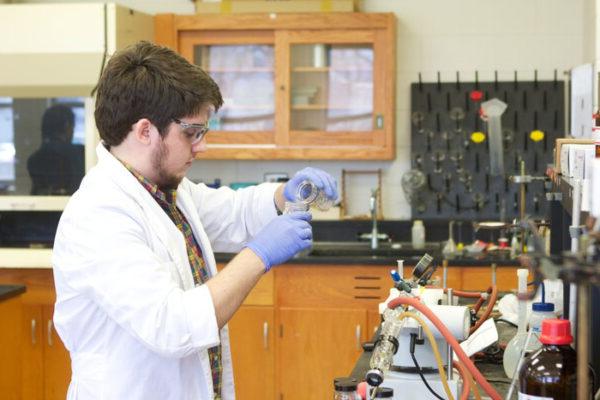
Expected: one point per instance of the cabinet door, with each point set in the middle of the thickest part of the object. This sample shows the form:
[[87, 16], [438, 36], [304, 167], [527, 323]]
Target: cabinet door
[[336, 89], [242, 64], [32, 352], [253, 352], [10, 348], [316, 346], [57, 362]]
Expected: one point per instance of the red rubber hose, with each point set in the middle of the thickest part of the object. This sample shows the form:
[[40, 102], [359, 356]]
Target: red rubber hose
[[493, 296], [466, 389]]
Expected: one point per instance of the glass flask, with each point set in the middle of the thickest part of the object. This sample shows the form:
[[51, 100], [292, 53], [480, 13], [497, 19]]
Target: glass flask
[[308, 193], [385, 347]]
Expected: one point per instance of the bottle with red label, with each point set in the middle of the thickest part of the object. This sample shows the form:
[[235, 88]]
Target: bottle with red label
[[551, 372]]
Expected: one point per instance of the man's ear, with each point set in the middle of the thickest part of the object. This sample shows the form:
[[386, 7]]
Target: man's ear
[[142, 131]]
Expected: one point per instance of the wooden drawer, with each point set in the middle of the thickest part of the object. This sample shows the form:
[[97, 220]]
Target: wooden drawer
[[332, 286]]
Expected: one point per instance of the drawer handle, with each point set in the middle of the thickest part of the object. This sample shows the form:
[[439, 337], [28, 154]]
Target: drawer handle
[[50, 332], [33, 326], [358, 337], [266, 335]]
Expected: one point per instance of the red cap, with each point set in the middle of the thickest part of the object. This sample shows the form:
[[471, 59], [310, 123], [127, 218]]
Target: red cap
[[362, 389], [476, 95], [556, 331]]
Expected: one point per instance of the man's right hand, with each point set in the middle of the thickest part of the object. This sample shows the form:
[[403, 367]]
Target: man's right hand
[[282, 238]]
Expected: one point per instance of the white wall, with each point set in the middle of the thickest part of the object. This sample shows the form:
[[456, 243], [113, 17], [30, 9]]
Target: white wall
[[445, 36], [450, 36]]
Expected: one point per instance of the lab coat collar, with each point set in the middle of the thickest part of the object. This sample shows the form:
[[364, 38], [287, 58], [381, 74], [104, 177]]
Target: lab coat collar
[[161, 224]]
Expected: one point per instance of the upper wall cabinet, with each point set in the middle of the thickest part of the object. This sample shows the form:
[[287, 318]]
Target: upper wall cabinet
[[295, 86]]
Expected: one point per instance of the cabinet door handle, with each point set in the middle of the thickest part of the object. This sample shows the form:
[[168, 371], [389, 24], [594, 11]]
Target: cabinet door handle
[[33, 325], [50, 332], [357, 337], [266, 335]]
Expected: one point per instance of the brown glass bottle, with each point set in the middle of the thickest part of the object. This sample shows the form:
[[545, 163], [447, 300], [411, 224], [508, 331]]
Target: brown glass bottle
[[550, 372]]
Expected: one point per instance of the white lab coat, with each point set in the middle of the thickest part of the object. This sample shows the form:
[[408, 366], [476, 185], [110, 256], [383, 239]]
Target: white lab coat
[[126, 307]]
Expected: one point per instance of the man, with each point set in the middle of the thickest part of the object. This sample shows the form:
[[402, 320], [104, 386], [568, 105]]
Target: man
[[57, 167], [139, 304]]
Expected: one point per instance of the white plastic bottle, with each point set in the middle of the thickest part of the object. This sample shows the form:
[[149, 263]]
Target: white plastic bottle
[[418, 234], [540, 312]]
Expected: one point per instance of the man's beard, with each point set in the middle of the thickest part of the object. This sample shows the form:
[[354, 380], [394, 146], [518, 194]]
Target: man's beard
[[164, 180]]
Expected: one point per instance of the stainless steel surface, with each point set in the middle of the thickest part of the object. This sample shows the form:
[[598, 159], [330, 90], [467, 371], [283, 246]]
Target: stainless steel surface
[[374, 237], [373, 209], [33, 325], [50, 342], [266, 335]]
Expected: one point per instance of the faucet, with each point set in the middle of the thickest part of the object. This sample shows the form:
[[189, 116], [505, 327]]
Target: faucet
[[374, 236], [373, 209]]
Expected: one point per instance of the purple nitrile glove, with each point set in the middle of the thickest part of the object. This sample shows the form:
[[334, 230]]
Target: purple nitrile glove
[[282, 238], [320, 178]]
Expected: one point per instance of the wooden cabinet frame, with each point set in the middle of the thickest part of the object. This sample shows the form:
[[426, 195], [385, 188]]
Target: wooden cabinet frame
[[282, 30]]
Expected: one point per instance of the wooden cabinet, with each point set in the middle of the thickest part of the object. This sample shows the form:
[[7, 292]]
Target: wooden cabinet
[[325, 313], [11, 311], [45, 366], [252, 338], [316, 346], [300, 86], [300, 327], [253, 352]]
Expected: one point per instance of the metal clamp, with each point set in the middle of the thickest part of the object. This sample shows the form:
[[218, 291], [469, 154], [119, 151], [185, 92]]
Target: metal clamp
[[576, 231], [554, 196]]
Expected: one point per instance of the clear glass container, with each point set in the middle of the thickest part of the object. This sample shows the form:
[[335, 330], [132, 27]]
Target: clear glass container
[[383, 353], [291, 207], [308, 193], [345, 389]]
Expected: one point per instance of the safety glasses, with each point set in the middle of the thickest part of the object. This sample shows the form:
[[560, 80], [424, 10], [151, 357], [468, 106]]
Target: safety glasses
[[193, 132]]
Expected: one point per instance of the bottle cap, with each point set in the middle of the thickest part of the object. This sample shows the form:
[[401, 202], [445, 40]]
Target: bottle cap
[[384, 393], [542, 307], [345, 384], [556, 331], [418, 222]]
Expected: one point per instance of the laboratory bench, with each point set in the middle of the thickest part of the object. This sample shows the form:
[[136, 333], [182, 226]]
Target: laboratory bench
[[306, 318]]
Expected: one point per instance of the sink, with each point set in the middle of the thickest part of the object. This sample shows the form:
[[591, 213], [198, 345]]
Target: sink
[[363, 249]]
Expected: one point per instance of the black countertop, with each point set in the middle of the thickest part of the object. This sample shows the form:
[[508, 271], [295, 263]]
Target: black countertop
[[9, 291], [484, 260]]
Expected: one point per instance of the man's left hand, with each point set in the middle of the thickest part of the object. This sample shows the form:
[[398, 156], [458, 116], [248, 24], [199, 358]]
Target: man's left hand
[[322, 180]]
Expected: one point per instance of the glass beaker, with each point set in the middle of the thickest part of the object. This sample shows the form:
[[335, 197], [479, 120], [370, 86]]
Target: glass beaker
[[308, 193]]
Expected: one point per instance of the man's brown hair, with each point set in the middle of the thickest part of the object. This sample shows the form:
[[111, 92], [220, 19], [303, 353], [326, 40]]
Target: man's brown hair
[[149, 81]]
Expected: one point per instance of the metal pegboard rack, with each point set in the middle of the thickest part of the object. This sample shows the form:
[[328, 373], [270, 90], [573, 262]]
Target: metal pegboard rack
[[458, 182]]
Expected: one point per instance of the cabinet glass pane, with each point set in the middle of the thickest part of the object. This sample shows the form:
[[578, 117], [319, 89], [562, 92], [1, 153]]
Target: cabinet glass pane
[[332, 87], [41, 145], [245, 75]]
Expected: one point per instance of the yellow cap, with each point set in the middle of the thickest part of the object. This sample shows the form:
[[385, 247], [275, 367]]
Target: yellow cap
[[477, 137], [536, 135]]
